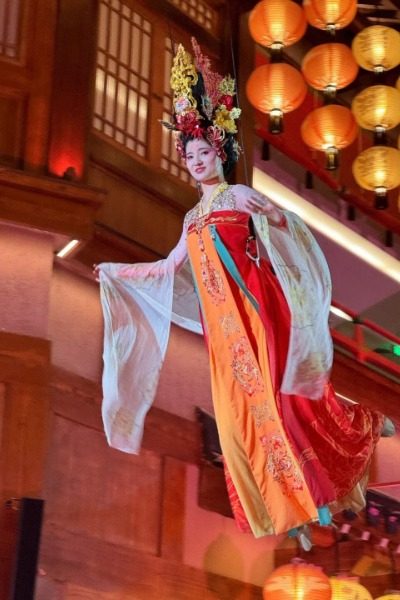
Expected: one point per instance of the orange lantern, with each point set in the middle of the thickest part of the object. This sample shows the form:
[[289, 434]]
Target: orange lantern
[[275, 89], [329, 67], [329, 129], [277, 23], [347, 589], [395, 596], [330, 14], [377, 48], [295, 581], [378, 169]]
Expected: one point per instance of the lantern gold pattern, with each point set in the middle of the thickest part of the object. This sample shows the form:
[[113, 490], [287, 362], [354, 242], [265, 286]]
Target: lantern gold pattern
[[329, 67], [377, 107], [277, 23], [330, 14], [377, 48]]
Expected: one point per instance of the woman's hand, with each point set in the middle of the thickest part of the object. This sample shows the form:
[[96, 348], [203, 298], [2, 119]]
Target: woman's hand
[[251, 201], [96, 272]]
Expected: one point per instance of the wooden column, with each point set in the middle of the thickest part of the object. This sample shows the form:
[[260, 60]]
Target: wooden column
[[24, 428], [72, 85]]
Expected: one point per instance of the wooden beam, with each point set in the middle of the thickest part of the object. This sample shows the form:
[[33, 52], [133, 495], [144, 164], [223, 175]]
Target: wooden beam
[[51, 204]]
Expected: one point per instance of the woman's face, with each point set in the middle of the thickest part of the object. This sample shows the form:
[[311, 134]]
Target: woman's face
[[201, 160]]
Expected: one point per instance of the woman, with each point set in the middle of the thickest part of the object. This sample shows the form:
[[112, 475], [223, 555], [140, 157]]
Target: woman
[[293, 454]]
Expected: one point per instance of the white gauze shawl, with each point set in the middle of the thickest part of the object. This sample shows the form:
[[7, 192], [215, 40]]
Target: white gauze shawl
[[140, 301]]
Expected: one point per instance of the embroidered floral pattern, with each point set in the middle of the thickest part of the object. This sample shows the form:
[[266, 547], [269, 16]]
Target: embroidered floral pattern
[[212, 280], [228, 324], [280, 464], [261, 413], [245, 369]]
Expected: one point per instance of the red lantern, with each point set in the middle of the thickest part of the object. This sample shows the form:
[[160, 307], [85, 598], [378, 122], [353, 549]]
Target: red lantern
[[330, 14], [329, 129], [295, 581], [277, 23], [329, 67], [275, 89]]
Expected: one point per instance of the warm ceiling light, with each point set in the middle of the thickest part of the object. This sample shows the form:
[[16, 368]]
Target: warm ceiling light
[[67, 249], [320, 221], [377, 108], [329, 67], [277, 23], [378, 169], [275, 89], [330, 14], [377, 48], [329, 129]]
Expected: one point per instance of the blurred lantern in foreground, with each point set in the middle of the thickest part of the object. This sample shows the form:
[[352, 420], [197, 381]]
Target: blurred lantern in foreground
[[297, 582], [377, 48], [275, 89], [277, 23], [377, 108], [329, 67], [329, 129], [389, 597], [330, 14], [347, 589], [378, 169]]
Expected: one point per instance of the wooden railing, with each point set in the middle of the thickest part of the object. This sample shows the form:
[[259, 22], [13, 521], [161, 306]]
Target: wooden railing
[[356, 344]]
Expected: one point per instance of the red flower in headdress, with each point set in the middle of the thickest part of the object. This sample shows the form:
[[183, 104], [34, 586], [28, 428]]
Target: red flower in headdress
[[216, 138], [227, 101], [189, 124]]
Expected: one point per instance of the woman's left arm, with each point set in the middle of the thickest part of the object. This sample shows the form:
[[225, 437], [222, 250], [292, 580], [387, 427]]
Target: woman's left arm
[[251, 201]]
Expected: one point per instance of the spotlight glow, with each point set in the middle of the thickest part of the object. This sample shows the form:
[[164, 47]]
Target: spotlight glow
[[327, 225]]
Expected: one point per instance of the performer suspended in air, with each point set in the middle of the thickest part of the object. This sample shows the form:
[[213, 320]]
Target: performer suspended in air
[[293, 453]]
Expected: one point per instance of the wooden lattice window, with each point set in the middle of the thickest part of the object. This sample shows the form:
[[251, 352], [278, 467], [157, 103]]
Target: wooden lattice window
[[10, 21], [123, 75], [199, 12], [170, 160]]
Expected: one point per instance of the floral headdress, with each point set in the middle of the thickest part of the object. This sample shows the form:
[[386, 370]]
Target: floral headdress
[[212, 114]]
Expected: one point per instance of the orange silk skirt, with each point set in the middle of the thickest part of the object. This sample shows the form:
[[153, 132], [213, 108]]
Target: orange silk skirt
[[287, 457]]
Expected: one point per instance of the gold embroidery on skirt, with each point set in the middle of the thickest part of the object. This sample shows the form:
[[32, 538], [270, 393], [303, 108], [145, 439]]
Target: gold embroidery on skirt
[[261, 413], [280, 464], [212, 280], [245, 369], [228, 324]]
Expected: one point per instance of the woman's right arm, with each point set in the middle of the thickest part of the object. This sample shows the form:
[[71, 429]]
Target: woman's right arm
[[178, 256]]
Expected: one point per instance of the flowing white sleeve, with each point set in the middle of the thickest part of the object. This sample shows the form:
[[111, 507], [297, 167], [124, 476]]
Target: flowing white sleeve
[[305, 279], [138, 306]]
